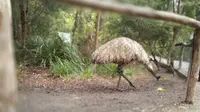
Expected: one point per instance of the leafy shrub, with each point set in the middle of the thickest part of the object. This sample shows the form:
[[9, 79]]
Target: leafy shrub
[[40, 52], [111, 70], [107, 70], [70, 68], [66, 67], [87, 72]]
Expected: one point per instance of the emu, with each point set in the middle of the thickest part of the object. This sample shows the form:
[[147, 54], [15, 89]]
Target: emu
[[123, 51]]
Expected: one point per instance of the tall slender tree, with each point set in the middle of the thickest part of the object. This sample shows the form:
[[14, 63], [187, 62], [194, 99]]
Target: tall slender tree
[[175, 29], [97, 29], [24, 20]]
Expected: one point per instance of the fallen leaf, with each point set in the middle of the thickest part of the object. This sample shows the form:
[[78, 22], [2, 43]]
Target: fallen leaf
[[160, 89], [163, 78]]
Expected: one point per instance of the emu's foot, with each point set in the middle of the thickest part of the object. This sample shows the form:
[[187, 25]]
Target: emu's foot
[[120, 90], [158, 78], [127, 89], [132, 86]]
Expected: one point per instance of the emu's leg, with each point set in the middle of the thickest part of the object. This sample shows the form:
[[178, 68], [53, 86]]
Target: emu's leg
[[120, 71], [119, 81], [199, 76], [130, 83]]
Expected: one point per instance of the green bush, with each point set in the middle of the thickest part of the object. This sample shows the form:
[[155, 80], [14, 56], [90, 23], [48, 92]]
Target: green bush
[[70, 68], [40, 52], [66, 68], [107, 70], [111, 70], [87, 73]]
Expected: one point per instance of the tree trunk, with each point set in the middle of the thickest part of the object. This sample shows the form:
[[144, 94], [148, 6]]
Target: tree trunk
[[97, 29], [75, 23], [178, 7], [181, 57], [193, 76], [173, 5], [96, 37], [8, 82], [24, 25], [14, 29], [175, 32], [174, 36], [105, 17]]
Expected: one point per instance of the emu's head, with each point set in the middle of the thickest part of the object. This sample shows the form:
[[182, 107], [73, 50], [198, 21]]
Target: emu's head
[[151, 69]]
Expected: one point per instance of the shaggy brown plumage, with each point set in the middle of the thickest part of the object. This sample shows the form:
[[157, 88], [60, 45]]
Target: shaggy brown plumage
[[122, 51]]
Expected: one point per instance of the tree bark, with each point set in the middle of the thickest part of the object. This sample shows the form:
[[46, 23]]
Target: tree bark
[[193, 76], [173, 6], [24, 21], [135, 11], [8, 82], [181, 57], [75, 23], [178, 7], [14, 29], [175, 32], [96, 37], [174, 36]]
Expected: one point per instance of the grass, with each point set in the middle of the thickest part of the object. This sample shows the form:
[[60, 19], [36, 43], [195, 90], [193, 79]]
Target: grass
[[111, 70], [107, 70], [69, 69], [41, 52], [66, 68]]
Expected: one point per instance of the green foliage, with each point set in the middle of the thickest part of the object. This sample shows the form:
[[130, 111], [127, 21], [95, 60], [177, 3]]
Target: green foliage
[[40, 52], [189, 7], [111, 70], [107, 70], [153, 35], [70, 68], [67, 68], [128, 72], [45, 19], [85, 23], [87, 73]]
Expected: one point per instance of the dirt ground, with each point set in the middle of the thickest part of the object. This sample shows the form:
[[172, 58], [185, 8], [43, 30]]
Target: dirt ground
[[39, 92]]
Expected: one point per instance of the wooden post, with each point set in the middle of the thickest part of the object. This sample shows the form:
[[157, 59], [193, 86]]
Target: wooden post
[[193, 76], [8, 82]]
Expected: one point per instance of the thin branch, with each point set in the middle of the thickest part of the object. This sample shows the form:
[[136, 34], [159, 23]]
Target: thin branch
[[135, 11]]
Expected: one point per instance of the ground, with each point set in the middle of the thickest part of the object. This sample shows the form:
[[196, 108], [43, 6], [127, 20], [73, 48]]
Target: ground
[[40, 92]]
